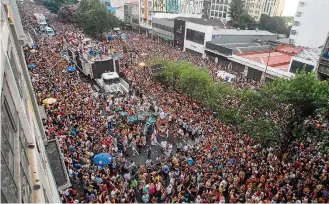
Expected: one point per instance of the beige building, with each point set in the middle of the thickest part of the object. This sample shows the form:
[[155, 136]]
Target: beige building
[[26, 169], [256, 8], [279, 7]]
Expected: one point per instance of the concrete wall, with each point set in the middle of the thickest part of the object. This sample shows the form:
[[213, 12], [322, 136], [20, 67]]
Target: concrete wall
[[196, 46], [19, 94], [161, 32], [120, 13], [241, 38]]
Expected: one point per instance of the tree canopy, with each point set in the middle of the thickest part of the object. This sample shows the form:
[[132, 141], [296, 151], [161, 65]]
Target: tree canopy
[[281, 112], [66, 13], [94, 19], [55, 5], [240, 17], [274, 24]]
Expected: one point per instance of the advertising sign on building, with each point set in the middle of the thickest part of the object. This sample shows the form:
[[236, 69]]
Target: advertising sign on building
[[172, 6], [179, 33]]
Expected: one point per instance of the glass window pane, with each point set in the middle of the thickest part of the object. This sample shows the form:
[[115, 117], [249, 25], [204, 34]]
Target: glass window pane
[[25, 161], [8, 185], [26, 188], [7, 152], [3, 198]]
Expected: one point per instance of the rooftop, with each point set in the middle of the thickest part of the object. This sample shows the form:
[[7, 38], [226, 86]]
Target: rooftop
[[202, 21], [240, 48], [241, 32], [279, 58], [310, 54]]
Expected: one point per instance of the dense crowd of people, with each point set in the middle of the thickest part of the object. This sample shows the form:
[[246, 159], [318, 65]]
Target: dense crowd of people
[[220, 166]]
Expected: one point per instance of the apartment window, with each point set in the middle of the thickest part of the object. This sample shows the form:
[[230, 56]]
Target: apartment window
[[225, 8], [17, 74], [8, 133], [221, 1], [224, 15], [25, 187], [293, 32], [226, 2], [9, 190], [195, 36], [298, 14], [212, 13], [216, 7], [24, 159], [220, 14], [217, 2], [296, 23], [221, 8]]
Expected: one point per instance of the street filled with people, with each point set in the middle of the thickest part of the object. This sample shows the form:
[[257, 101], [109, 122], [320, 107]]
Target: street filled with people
[[219, 165]]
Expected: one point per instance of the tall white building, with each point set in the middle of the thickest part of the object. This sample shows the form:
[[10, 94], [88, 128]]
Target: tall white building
[[26, 173], [219, 9], [310, 26]]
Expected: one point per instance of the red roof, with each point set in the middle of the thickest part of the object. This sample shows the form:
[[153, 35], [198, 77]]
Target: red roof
[[280, 58]]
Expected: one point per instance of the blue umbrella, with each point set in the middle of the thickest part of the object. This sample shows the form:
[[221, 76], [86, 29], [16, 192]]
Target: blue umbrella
[[71, 69], [190, 161], [34, 46], [32, 66], [165, 168], [102, 159], [110, 37]]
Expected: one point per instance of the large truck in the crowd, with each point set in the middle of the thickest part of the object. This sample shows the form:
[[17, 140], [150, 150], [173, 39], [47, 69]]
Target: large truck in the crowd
[[41, 26], [105, 70]]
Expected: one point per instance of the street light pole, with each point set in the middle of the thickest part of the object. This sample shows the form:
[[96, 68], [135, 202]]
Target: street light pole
[[268, 59]]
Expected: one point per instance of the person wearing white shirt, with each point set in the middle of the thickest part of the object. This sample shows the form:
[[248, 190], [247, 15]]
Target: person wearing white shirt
[[169, 189]]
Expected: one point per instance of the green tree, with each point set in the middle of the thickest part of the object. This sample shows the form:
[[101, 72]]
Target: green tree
[[239, 16], [285, 109], [66, 13], [94, 19], [277, 114], [55, 5], [274, 24]]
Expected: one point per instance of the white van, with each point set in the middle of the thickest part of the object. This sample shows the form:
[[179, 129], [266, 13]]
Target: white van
[[48, 31]]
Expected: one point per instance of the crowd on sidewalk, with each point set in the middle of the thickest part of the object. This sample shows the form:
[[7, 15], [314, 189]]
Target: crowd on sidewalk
[[221, 166]]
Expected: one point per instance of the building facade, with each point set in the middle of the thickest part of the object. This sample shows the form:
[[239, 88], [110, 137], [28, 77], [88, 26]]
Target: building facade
[[254, 8], [187, 7], [146, 12], [323, 66], [219, 9], [26, 173], [310, 28]]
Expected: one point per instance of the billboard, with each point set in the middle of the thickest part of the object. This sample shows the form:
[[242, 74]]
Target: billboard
[[179, 33], [172, 6]]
